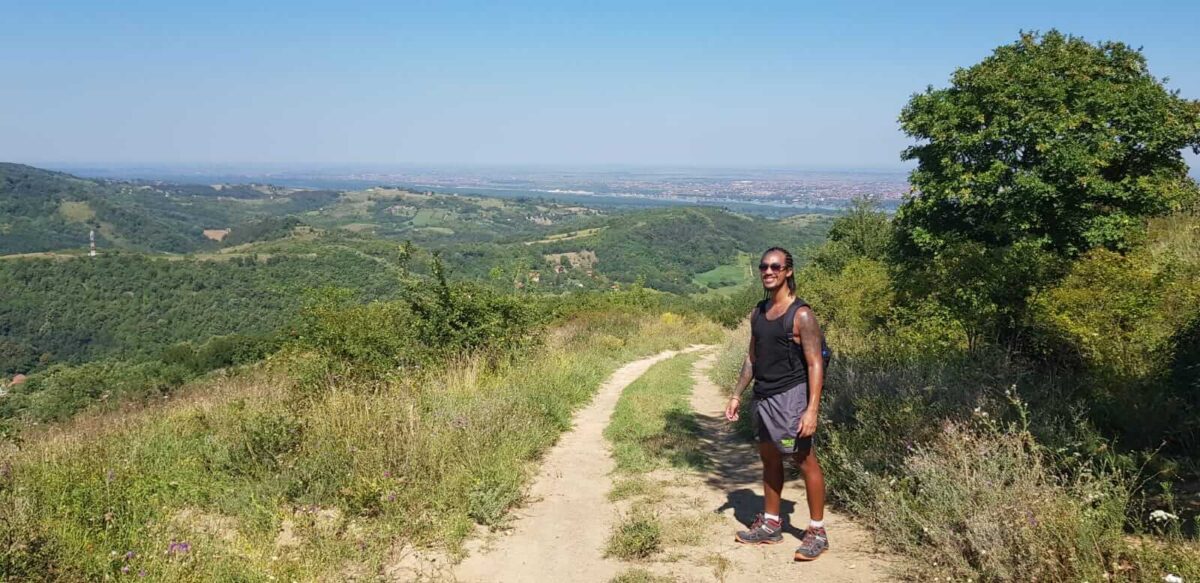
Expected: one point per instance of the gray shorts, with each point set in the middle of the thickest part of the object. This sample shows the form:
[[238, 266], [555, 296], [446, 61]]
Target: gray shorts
[[777, 419]]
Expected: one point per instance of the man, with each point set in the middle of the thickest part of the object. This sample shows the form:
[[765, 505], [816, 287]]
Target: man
[[786, 360]]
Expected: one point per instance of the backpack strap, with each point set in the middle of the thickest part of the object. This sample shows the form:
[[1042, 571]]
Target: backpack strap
[[759, 308], [826, 352], [791, 317]]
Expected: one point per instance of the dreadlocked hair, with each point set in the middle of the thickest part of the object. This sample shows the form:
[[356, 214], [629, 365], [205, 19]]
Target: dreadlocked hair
[[787, 264]]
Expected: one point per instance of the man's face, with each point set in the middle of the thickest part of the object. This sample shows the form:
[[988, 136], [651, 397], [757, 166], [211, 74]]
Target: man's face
[[773, 271]]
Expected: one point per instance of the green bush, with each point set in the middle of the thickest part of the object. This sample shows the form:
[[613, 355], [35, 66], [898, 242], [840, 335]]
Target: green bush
[[262, 438], [639, 576], [63, 390], [636, 537]]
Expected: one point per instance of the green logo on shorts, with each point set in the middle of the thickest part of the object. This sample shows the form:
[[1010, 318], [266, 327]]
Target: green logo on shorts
[[788, 442]]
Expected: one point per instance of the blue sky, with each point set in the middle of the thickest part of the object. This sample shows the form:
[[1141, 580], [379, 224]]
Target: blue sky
[[800, 84]]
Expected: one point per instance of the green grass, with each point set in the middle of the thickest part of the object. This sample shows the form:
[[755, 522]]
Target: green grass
[[653, 424], [637, 486], [76, 211], [640, 576], [346, 473], [430, 218], [726, 279], [637, 537]]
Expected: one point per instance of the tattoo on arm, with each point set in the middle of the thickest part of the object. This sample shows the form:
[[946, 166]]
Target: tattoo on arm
[[809, 333]]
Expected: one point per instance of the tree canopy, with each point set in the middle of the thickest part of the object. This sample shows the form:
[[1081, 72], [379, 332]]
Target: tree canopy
[[1050, 147], [1051, 139]]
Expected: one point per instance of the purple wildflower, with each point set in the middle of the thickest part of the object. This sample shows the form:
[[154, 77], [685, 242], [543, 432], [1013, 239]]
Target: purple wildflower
[[387, 473], [178, 548], [125, 569], [130, 555], [1030, 518], [141, 572], [391, 497]]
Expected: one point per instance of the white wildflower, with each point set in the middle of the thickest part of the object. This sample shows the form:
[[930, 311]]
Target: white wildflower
[[1162, 516], [1172, 579]]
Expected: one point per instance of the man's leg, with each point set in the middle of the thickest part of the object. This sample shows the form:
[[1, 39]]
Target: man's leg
[[815, 540], [814, 483], [772, 462], [767, 530]]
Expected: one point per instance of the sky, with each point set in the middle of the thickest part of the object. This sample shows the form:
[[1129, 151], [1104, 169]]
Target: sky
[[796, 84]]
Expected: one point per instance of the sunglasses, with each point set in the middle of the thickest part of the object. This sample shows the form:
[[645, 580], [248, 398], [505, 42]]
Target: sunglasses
[[770, 266]]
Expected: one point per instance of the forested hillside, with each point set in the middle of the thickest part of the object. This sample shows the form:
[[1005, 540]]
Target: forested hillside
[[44, 211], [129, 305]]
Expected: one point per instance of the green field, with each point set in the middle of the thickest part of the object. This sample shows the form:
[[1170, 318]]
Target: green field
[[727, 279], [430, 218], [76, 211]]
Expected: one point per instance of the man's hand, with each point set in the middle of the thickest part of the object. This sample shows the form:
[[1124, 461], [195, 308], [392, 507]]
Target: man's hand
[[731, 409], [808, 423]]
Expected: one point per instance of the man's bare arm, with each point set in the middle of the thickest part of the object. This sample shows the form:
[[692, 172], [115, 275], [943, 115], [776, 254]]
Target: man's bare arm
[[809, 334]]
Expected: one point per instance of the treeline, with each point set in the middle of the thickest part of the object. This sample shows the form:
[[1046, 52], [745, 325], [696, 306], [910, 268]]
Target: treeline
[[261, 230], [128, 305]]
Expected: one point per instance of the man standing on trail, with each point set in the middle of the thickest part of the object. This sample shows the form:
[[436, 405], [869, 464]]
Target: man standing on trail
[[786, 360]]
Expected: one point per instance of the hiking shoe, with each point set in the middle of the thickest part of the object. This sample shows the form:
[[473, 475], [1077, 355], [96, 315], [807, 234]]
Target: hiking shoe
[[814, 543], [761, 532]]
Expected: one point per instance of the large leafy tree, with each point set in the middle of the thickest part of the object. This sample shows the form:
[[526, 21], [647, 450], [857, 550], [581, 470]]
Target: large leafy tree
[[1049, 147]]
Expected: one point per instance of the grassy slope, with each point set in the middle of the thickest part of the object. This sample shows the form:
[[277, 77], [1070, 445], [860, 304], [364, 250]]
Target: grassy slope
[[652, 425], [260, 484]]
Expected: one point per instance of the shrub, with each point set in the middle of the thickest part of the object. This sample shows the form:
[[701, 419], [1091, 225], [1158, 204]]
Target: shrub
[[639, 576], [636, 537], [64, 390], [261, 440]]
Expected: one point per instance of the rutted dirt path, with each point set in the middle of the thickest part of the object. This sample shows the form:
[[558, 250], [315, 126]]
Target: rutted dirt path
[[731, 488], [560, 535]]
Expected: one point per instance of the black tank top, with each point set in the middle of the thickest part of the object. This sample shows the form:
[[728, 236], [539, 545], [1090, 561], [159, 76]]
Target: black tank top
[[779, 362]]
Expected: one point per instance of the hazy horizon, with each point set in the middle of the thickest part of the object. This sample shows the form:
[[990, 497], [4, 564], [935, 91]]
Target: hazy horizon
[[533, 83]]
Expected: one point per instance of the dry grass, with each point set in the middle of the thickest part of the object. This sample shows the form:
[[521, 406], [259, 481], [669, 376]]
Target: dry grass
[[261, 481]]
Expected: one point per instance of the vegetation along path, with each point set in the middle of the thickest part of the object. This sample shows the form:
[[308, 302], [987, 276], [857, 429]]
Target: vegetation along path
[[561, 534], [564, 531]]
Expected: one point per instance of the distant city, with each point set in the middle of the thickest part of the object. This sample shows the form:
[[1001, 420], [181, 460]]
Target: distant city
[[771, 188]]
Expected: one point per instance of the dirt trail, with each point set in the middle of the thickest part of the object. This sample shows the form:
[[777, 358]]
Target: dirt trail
[[561, 534], [732, 489]]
